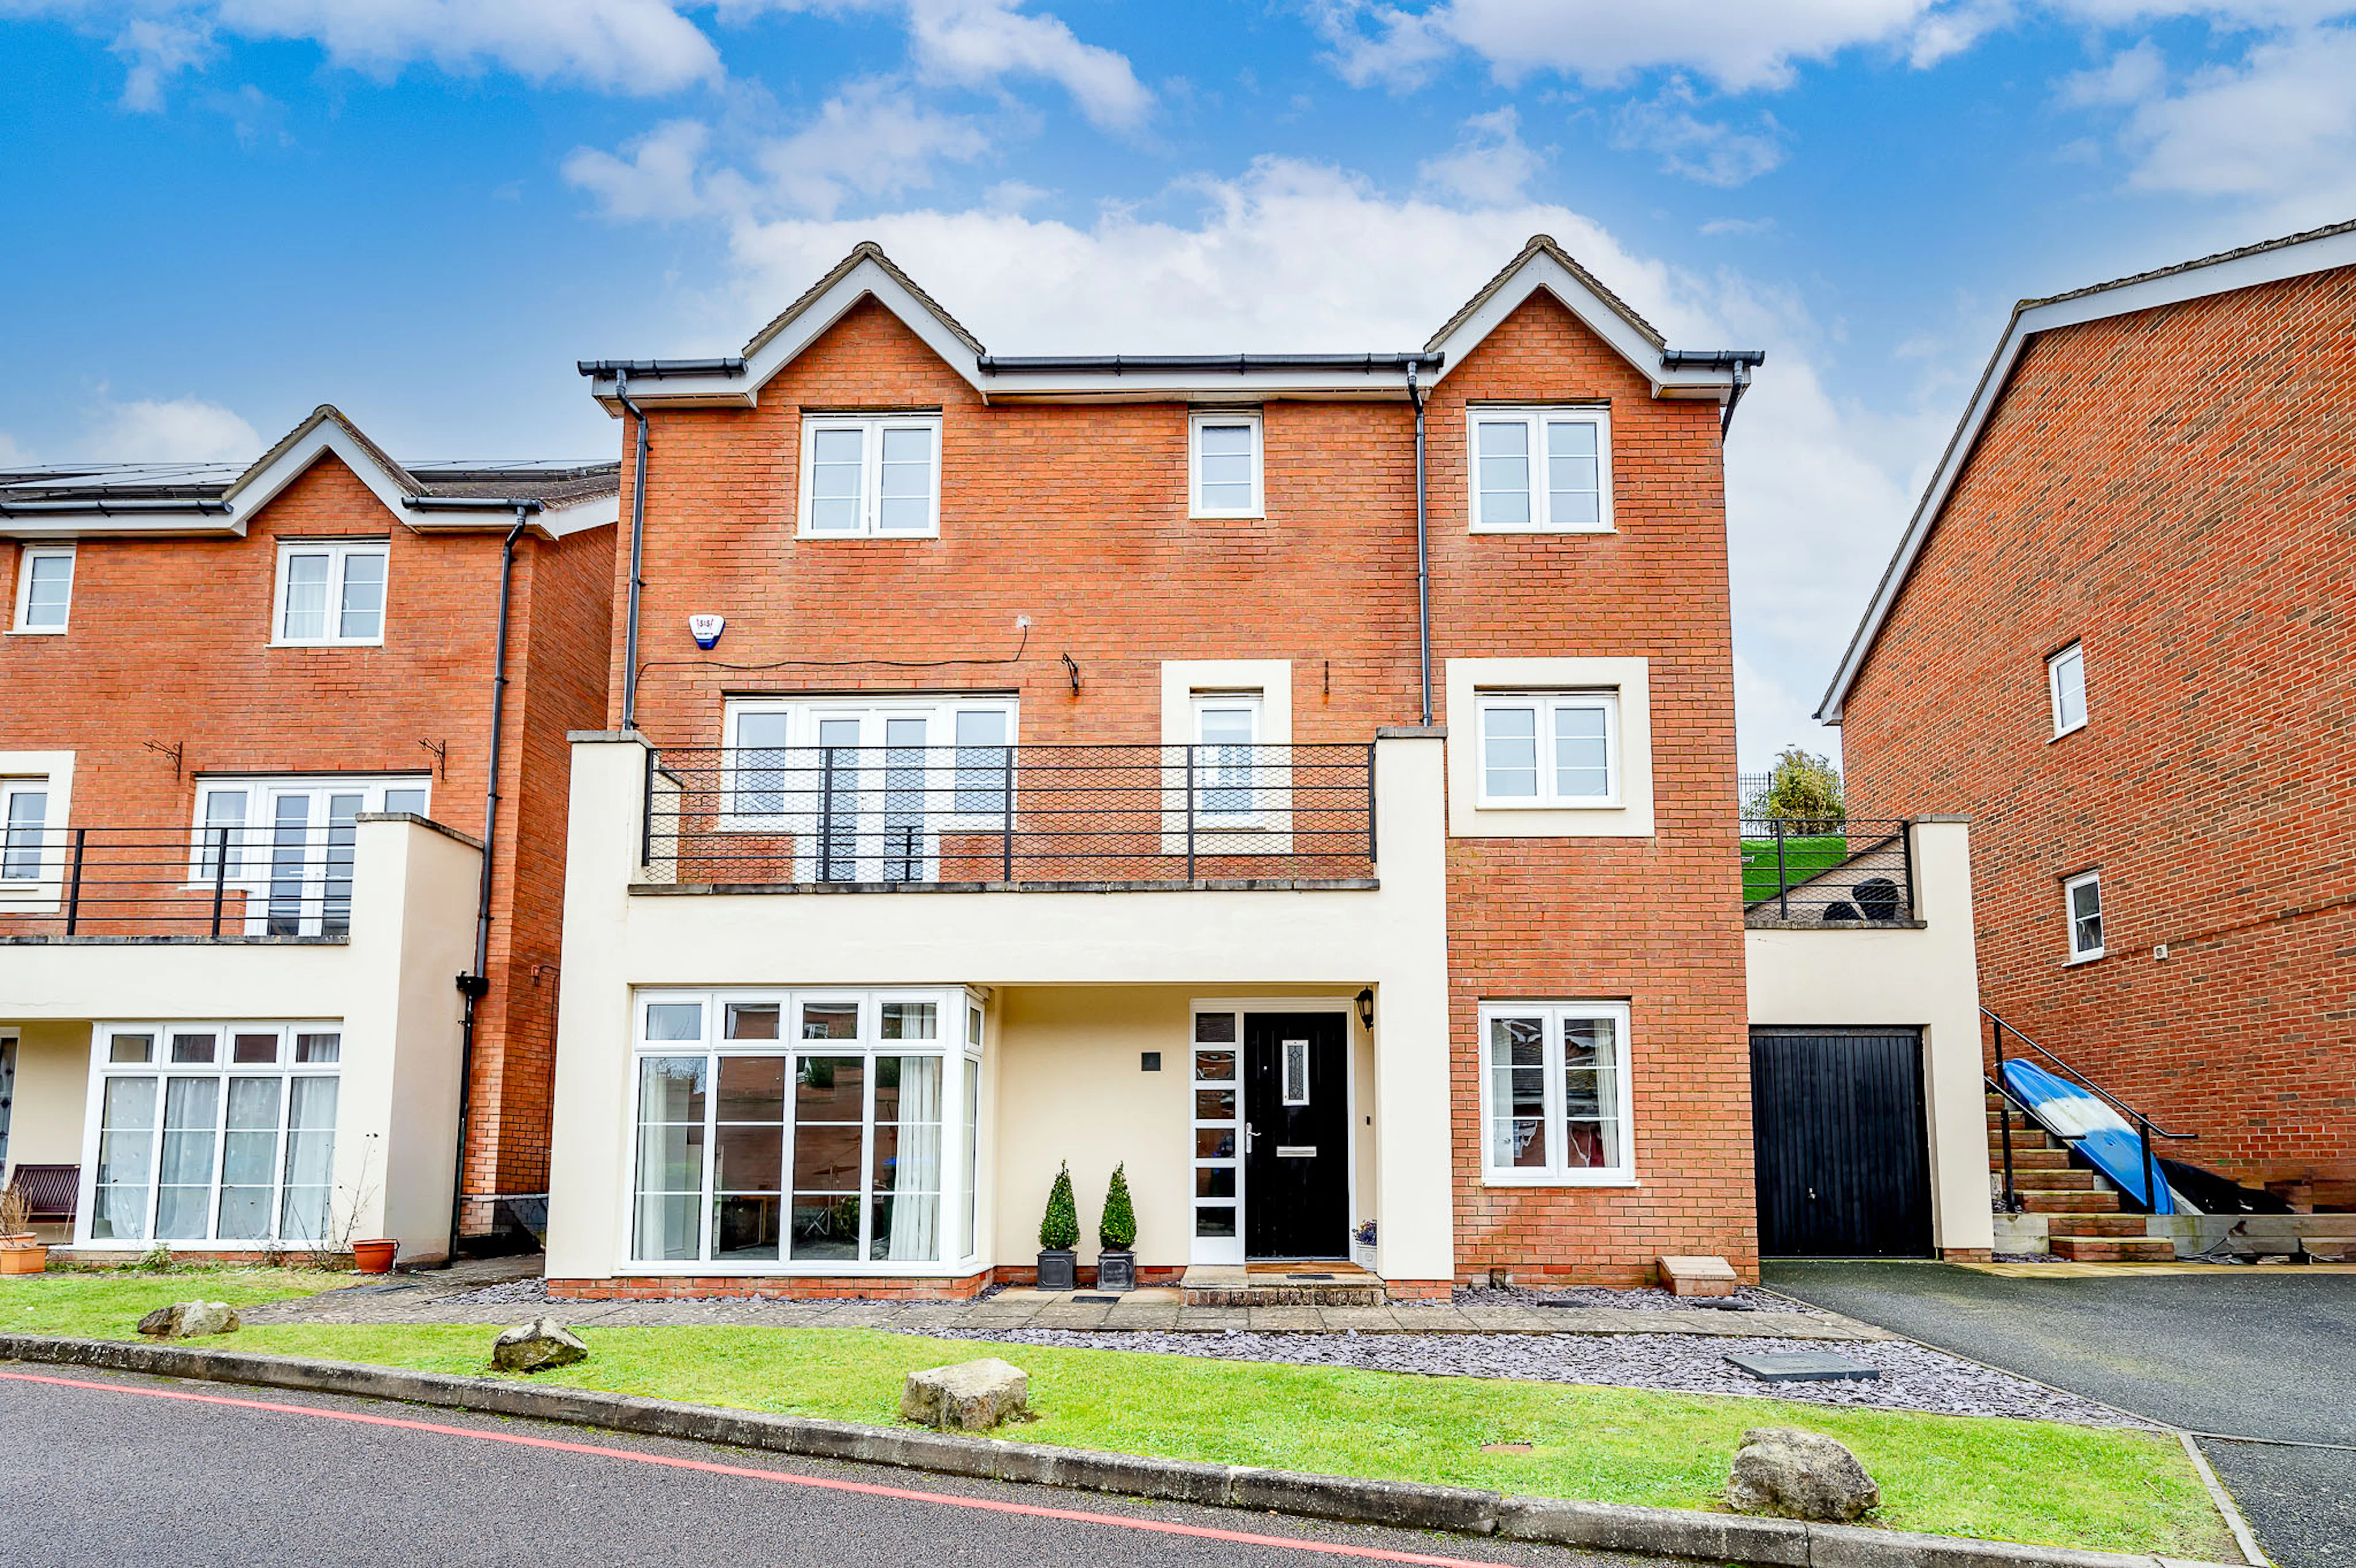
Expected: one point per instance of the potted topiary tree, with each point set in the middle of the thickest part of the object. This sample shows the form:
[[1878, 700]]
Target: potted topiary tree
[[1115, 1233], [21, 1250], [1059, 1232]]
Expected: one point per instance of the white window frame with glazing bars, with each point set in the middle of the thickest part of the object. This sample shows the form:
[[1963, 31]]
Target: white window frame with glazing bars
[[340, 553], [1557, 1172], [244, 856]]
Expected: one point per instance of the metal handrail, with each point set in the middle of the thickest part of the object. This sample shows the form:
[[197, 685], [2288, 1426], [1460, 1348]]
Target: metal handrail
[[178, 876], [2144, 1128], [1867, 845]]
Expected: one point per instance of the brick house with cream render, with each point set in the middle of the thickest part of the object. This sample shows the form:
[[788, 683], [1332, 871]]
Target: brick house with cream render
[[244, 761], [2117, 632], [1013, 762]]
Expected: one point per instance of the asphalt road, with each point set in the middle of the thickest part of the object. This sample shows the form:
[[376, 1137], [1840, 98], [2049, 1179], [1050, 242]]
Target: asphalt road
[[2255, 1354], [122, 1472]]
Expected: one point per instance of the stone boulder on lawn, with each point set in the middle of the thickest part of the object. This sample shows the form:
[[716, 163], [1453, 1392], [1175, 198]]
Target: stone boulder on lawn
[[189, 1320], [971, 1396], [536, 1346], [1799, 1474]]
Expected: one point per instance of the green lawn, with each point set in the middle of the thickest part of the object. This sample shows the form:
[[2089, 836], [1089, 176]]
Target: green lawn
[[1803, 858], [107, 1304], [2011, 1480]]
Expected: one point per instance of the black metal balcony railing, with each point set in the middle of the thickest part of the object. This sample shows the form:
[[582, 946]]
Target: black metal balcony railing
[[268, 880], [1826, 873], [929, 815]]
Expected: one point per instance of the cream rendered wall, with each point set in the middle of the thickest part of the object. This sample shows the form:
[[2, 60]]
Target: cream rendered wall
[[391, 985], [1204, 943], [52, 1088], [1926, 978]]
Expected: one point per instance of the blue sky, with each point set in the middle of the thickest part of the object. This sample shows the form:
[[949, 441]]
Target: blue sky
[[223, 212]]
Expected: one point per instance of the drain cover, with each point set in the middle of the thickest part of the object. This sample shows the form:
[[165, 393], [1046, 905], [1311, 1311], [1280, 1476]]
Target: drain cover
[[1098, 1300], [1308, 1276], [1805, 1367]]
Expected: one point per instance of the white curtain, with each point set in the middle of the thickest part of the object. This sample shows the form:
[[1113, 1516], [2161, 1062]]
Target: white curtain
[[917, 1175]]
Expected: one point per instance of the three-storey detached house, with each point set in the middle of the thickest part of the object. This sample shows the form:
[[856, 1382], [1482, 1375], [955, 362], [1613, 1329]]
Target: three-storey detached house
[[282, 774], [1300, 780]]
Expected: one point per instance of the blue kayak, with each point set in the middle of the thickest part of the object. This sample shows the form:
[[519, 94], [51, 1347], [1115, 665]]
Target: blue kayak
[[2093, 1128]]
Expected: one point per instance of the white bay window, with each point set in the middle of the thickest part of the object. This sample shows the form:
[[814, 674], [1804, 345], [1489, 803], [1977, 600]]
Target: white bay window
[[807, 1131], [1554, 1094]]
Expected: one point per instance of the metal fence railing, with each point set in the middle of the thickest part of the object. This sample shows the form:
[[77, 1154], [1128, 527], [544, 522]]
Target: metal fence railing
[[265, 880], [1829, 873], [1169, 816]]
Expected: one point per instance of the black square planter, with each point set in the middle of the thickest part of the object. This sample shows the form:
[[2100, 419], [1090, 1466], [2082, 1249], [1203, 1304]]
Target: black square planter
[[1116, 1270], [1059, 1270]]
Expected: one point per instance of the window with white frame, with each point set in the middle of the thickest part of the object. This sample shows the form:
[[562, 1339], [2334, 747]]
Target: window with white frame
[[805, 1131], [1549, 748], [1219, 1137], [1224, 466], [1226, 737], [2081, 897], [24, 828], [287, 844], [867, 784], [1554, 1094], [45, 575], [871, 475], [331, 592], [1540, 470], [212, 1134], [2065, 677]]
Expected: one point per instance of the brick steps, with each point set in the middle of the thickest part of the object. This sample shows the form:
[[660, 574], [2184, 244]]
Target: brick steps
[[2114, 1249], [2084, 1226], [2037, 1200]]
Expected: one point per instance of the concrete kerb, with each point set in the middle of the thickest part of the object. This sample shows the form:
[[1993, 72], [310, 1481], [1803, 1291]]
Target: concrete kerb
[[1671, 1533]]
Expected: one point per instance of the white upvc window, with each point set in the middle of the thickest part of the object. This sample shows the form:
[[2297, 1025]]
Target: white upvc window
[[1223, 466], [1540, 470], [286, 844], [867, 784], [805, 1131], [2081, 900], [331, 592], [1228, 786], [45, 575], [1555, 1095], [1549, 749], [871, 475], [2065, 679], [24, 829], [211, 1133]]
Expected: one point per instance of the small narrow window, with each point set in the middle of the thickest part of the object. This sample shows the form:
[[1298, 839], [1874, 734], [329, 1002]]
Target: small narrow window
[[1227, 732], [2065, 675], [1226, 465], [331, 592], [1540, 748], [24, 824], [1296, 1072], [871, 475], [1546, 470], [2083, 898], [44, 588]]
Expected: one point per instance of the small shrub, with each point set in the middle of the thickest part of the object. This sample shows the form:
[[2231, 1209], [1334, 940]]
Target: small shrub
[[1804, 791], [156, 1259], [1059, 1232], [15, 1214], [1118, 1229]]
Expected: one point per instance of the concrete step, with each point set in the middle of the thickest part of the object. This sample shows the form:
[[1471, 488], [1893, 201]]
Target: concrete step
[[2087, 1225], [1308, 1284], [2114, 1249], [2037, 1201]]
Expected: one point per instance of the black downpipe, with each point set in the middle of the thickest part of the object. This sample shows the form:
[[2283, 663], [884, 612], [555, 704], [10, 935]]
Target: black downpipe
[[1422, 550], [478, 985], [638, 556]]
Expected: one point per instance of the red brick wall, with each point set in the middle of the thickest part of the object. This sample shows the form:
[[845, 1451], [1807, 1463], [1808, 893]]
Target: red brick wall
[[169, 643], [2174, 488], [1076, 515]]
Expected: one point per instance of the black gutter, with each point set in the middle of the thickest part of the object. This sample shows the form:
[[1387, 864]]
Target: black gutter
[[1738, 363], [1422, 552], [656, 370], [475, 985], [108, 508], [1237, 364], [474, 503], [638, 556]]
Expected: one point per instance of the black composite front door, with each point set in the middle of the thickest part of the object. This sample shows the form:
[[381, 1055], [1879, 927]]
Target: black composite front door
[[1296, 1137]]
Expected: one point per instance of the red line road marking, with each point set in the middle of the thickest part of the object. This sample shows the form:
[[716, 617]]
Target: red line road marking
[[821, 1483]]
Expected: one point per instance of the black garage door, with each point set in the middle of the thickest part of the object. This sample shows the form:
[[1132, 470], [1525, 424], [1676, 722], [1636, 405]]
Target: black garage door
[[1841, 1142]]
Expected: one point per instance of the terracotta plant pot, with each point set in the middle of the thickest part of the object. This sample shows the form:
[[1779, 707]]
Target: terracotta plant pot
[[374, 1256], [23, 1254]]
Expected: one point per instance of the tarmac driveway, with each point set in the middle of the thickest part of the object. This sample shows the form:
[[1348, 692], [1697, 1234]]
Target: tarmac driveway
[[2257, 1352]]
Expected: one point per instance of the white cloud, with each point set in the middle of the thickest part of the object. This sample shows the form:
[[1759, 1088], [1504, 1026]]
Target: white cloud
[[2131, 75], [12, 452], [181, 430], [656, 181], [1710, 151], [1490, 165], [975, 43], [2280, 127], [640, 46]]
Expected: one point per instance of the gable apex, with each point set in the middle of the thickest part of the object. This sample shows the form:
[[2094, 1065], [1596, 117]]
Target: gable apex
[[1543, 264]]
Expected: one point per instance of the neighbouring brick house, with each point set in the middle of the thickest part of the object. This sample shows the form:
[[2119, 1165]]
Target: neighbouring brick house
[[1011, 762], [2117, 633], [244, 756]]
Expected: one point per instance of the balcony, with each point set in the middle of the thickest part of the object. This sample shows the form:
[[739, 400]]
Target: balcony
[[977, 818], [216, 884], [1813, 874]]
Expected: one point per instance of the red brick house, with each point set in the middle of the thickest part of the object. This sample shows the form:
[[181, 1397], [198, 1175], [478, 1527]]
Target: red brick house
[[1303, 780], [244, 766], [2116, 633]]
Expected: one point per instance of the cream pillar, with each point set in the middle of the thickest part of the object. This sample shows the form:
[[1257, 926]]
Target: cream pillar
[[1415, 1192]]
